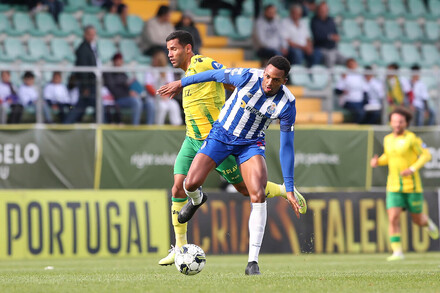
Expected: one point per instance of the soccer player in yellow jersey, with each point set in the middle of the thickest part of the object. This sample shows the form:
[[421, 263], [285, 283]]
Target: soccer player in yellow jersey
[[405, 154], [202, 104]]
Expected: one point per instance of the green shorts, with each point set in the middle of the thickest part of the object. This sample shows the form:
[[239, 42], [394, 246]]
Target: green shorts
[[228, 168], [413, 202]]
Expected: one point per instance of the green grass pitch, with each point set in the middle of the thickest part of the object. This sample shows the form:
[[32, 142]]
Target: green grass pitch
[[419, 272]]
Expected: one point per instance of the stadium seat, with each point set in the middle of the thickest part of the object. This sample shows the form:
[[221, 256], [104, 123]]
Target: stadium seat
[[375, 8], [244, 26], [434, 8], [75, 5], [299, 76], [5, 26], [416, 8], [38, 50], [396, 8], [23, 24], [430, 55], [61, 50], [114, 26], [92, 19], [351, 30], [46, 24], [347, 50], [134, 25], [248, 8], [412, 30], [131, 52], [14, 50], [223, 26], [69, 24], [372, 31], [5, 7], [410, 55], [320, 77], [355, 8], [389, 54], [192, 5], [336, 7], [368, 54], [392, 30], [106, 49], [432, 31]]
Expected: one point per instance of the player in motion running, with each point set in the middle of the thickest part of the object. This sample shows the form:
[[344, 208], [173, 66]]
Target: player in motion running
[[202, 104], [259, 98], [405, 154]]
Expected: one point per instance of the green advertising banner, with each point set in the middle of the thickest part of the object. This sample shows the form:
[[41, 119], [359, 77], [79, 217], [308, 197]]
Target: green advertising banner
[[430, 173], [49, 157], [325, 157]]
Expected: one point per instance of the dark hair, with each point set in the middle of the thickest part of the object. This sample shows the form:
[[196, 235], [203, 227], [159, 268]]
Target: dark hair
[[28, 74], [163, 9], [402, 111], [415, 67], [184, 38], [394, 66], [368, 67], [281, 63]]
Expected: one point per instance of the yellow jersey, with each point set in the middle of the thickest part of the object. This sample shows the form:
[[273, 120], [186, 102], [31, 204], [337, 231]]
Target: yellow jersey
[[202, 102], [400, 153]]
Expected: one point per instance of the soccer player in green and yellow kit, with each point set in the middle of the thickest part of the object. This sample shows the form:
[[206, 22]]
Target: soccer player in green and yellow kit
[[405, 154], [202, 104]]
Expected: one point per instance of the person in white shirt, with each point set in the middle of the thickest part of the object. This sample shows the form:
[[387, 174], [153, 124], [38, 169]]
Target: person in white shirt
[[8, 95], [156, 30], [57, 96], [419, 98], [351, 88], [296, 31], [154, 80], [375, 95], [28, 97]]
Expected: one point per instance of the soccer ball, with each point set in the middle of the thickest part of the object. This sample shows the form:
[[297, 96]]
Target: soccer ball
[[190, 259]]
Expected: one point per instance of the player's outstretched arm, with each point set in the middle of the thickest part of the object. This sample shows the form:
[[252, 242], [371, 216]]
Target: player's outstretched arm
[[287, 160], [170, 89]]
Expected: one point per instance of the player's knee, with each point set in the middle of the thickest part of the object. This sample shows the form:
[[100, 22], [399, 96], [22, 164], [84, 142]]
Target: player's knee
[[394, 219], [258, 197], [191, 183]]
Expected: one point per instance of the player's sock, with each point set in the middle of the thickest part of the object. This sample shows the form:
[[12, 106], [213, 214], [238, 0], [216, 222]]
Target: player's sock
[[396, 244], [432, 229], [196, 195], [257, 223], [273, 189], [179, 229]]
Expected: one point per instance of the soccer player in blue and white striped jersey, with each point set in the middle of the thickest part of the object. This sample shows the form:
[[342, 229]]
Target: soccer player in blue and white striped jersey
[[259, 98]]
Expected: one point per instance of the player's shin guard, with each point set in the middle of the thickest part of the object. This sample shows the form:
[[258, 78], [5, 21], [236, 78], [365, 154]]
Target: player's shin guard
[[257, 224], [196, 195], [273, 189], [179, 229]]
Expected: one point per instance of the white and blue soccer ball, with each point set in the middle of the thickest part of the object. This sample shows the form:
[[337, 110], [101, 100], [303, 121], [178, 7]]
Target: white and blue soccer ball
[[190, 259]]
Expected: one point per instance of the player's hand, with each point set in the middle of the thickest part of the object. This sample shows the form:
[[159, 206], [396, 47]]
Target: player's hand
[[293, 203], [170, 89], [374, 162], [406, 172]]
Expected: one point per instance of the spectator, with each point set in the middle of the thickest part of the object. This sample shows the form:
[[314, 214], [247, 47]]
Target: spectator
[[297, 34], [116, 6], [54, 7], [118, 84], [112, 114], [419, 97], [397, 87], [86, 55], [57, 96], [308, 6], [8, 96], [154, 80], [28, 97], [325, 36], [375, 95], [186, 23], [351, 88], [155, 31], [215, 6], [269, 38]]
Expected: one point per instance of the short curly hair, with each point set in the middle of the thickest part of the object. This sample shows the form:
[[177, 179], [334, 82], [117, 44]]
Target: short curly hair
[[402, 111]]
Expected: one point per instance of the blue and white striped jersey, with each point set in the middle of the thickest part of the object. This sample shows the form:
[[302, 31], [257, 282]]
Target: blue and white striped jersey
[[248, 112]]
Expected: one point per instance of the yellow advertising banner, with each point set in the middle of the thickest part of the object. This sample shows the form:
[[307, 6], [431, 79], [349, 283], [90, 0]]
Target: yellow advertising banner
[[83, 223]]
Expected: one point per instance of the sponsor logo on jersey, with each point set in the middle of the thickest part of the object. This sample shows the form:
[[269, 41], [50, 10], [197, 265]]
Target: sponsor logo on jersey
[[216, 65]]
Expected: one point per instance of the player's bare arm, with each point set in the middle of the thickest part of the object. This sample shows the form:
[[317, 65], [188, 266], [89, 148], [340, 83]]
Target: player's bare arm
[[170, 89]]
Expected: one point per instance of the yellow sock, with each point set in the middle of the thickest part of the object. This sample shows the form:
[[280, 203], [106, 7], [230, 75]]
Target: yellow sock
[[179, 229], [396, 244], [273, 189]]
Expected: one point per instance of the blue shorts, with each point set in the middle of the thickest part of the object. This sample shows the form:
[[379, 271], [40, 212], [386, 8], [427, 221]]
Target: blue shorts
[[218, 150]]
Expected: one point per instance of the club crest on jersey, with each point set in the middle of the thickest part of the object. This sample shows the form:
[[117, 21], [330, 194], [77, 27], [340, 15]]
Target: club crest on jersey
[[271, 108], [243, 104]]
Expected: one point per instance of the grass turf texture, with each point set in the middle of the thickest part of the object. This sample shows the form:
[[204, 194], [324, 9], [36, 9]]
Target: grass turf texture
[[307, 272]]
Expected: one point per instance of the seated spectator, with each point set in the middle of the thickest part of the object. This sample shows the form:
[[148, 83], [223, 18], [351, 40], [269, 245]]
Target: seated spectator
[[118, 84], [351, 89], [155, 31], [28, 97], [112, 114], [297, 34], [186, 23], [268, 35], [326, 37], [8, 95], [234, 7], [54, 7], [398, 88], [419, 98], [57, 96], [153, 81], [116, 6], [375, 95]]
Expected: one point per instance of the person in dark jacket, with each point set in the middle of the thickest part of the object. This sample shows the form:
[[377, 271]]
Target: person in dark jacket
[[186, 23]]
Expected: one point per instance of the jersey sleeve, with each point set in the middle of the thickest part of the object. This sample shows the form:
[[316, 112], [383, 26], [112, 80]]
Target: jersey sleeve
[[287, 158], [234, 76], [424, 156], [288, 117]]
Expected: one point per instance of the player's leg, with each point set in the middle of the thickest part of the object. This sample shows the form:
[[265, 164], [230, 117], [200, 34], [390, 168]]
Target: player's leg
[[415, 203], [395, 203], [254, 174]]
